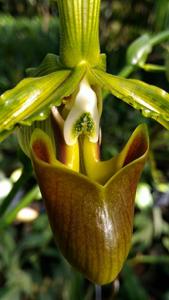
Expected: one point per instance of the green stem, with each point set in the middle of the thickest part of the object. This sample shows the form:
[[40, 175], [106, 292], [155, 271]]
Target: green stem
[[126, 71], [76, 287], [26, 174], [160, 37], [9, 217], [157, 39], [153, 68], [149, 259]]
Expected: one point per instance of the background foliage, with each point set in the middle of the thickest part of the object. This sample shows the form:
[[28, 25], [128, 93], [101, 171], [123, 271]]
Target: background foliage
[[30, 265]]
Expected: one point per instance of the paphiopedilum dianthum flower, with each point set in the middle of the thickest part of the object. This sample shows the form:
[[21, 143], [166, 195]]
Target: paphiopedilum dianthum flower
[[89, 202]]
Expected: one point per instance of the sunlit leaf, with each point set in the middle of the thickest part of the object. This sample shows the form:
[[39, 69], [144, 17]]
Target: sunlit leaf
[[139, 50]]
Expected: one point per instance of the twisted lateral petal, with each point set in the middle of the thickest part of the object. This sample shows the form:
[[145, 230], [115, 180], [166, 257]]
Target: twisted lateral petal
[[151, 100], [27, 96], [32, 98], [92, 223]]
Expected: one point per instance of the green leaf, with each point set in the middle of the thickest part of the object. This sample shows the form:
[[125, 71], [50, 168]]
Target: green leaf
[[50, 63], [167, 62], [10, 293], [139, 50], [32, 98], [151, 100], [133, 288], [10, 216], [36, 240]]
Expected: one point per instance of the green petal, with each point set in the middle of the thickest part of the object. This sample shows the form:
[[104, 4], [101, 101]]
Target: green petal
[[79, 31], [30, 94], [50, 63], [151, 100], [79, 208], [32, 98]]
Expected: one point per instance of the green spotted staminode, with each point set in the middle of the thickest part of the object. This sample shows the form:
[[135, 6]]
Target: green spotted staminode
[[56, 112]]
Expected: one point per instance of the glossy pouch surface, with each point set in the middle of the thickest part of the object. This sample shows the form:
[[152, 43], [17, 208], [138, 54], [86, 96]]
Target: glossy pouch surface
[[92, 223]]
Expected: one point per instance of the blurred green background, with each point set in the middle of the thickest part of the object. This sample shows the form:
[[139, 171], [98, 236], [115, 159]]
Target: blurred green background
[[31, 267]]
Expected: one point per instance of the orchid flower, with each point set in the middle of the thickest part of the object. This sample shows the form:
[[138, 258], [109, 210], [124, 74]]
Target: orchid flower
[[56, 111]]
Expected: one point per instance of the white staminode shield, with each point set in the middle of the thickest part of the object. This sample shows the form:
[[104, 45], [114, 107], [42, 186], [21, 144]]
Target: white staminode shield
[[83, 118]]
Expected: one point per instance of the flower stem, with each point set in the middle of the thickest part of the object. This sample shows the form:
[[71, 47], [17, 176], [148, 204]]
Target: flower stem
[[155, 40], [98, 292], [149, 259], [25, 201], [160, 37], [126, 71]]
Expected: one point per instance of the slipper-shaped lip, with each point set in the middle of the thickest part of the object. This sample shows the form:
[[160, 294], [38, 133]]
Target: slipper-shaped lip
[[79, 207], [43, 153]]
